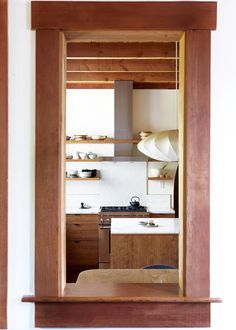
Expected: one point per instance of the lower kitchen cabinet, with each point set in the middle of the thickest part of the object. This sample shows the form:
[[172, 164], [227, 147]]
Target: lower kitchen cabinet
[[81, 244], [138, 251]]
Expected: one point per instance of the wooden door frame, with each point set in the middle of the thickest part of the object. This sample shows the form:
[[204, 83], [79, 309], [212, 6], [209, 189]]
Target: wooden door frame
[[51, 20], [4, 159]]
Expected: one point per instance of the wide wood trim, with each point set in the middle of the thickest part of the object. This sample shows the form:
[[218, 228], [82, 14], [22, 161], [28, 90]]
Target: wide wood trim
[[197, 164], [4, 159], [121, 50], [85, 16], [50, 155], [126, 314]]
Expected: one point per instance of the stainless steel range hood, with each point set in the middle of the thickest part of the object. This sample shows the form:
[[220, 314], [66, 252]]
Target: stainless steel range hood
[[123, 123]]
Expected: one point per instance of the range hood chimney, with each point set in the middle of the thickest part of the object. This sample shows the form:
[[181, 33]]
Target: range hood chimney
[[123, 92]]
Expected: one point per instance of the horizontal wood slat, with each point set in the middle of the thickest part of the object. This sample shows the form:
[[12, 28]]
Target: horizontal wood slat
[[112, 76], [110, 85], [123, 36], [85, 65], [86, 16], [121, 49]]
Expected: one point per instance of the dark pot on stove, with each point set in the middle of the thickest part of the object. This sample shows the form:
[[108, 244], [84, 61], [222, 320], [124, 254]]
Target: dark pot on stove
[[134, 202]]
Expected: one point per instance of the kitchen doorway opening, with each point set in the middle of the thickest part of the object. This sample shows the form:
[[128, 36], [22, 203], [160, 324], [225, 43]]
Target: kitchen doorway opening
[[133, 87]]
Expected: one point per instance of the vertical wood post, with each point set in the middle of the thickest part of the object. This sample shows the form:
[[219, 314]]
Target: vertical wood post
[[50, 137], [197, 163]]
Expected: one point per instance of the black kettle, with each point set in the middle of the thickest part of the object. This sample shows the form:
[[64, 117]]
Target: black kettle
[[134, 202]]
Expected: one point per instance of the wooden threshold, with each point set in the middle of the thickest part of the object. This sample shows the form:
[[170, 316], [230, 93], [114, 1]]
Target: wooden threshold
[[125, 292], [158, 305]]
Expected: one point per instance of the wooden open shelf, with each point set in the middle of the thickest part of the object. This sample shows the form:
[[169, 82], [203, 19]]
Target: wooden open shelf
[[99, 159], [108, 140], [159, 179], [83, 179]]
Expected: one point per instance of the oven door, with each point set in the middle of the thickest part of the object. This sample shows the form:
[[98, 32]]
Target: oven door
[[104, 246]]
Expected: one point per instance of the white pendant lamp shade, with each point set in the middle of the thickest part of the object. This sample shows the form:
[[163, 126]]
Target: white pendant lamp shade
[[161, 146]]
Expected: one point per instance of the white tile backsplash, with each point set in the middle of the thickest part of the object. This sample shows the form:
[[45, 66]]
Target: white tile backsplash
[[119, 182], [158, 202], [122, 180], [74, 201]]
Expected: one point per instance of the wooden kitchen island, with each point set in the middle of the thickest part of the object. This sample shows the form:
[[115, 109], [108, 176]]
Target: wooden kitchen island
[[135, 246]]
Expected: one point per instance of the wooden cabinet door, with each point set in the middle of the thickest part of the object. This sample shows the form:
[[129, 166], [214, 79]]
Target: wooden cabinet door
[[81, 252], [138, 251]]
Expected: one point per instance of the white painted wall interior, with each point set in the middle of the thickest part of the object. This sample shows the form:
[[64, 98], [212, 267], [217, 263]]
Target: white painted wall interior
[[91, 112], [21, 166]]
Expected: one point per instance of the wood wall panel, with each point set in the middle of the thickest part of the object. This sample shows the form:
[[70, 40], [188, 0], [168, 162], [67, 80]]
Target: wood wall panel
[[122, 315], [121, 65], [50, 136], [4, 159], [121, 49], [85, 16], [197, 163], [168, 77]]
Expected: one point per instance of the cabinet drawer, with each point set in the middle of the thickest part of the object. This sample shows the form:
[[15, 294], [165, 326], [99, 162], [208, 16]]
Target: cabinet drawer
[[82, 252], [81, 218], [82, 231]]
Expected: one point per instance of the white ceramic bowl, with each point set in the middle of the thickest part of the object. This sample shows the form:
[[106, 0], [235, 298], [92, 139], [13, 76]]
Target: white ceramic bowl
[[85, 174]]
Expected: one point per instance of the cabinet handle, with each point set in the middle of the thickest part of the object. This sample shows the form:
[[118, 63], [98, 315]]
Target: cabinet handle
[[77, 224], [77, 241]]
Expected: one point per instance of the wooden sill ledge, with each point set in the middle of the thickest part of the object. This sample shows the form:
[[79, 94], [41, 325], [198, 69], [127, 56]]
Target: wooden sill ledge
[[110, 292]]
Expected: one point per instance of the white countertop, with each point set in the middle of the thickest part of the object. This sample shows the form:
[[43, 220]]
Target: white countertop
[[94, 210], [161, 211], [132, 226]]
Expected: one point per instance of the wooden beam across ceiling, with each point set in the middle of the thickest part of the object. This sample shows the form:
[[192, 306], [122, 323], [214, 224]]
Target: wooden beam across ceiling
[[121, 65], [123, 36], [121, 50], [112, 76]]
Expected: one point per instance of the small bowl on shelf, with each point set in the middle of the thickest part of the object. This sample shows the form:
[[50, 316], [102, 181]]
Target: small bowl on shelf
[[98, 137], [85, 174], [92, 156]]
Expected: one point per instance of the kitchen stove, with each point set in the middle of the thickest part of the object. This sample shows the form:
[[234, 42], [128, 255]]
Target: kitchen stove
[[105, 215], [123, 209]]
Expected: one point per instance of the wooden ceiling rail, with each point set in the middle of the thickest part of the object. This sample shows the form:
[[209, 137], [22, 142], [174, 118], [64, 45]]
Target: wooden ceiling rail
[[121, 65], [110, 85], [121, 50], [112, 76], [87, 16]]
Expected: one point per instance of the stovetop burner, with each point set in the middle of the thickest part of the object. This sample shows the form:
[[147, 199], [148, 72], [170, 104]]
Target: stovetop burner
[[123, 209]]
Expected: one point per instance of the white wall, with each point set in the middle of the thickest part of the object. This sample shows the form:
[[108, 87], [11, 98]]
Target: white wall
[[21, 167], [91, 112]]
